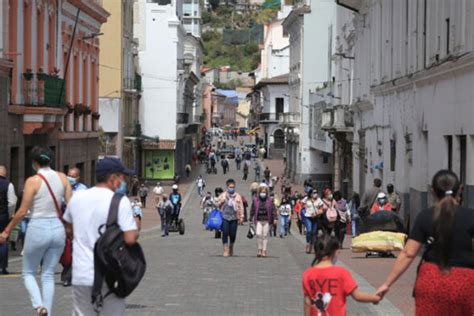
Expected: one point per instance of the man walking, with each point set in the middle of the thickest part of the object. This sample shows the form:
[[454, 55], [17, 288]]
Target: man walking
[[257, 172], [143, 193], [393, 198], [7, 207], [200, 185], [86, 212]]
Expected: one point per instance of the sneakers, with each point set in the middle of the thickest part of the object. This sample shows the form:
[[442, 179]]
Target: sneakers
[[66, 284]]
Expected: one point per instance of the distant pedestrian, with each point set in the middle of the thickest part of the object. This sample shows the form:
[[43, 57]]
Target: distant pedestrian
[[344, 217], [187, 169], [330, 216], [43, 195], [225, 164], [284, 216], [159, 191], [381, 204], [353, 207], [393, 198], [261, 153], [257, 172], [326, 286], [238, 161], [445, 279], [267, 174], [176, 199], [263, 215], [231, 205], [165, 209], [134, 187], [201, 184], [8, 201], [246, 172], [143, 193]]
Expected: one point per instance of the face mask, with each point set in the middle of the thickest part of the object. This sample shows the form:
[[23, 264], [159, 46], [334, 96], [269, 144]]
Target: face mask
[[330, 197], [231, 190], [263, 195], [390, 190], [72, 181], [381, 201], [122, 188]]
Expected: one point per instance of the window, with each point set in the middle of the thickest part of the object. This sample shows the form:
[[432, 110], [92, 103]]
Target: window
[[160, 2], [279, 105], [393, 154], [449, 143]]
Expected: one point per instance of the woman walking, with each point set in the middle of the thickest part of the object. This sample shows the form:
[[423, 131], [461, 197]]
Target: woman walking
[[445, 281], [331, 216], [45, 237], [230, 202], [353, 207], [312, 213], [285, 214], [263, 214]]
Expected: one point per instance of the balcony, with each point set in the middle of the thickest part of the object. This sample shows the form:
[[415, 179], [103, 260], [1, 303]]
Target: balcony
[[43, 90], [133, 84], [269, 118], [292, 119], [182, 118], [337, 119], [197, 119]]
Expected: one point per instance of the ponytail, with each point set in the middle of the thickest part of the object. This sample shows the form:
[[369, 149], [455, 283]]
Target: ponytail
[[326, 245], [445, 187]]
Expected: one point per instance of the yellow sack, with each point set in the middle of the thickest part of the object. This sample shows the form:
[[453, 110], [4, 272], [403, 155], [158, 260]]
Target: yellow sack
[[379, 241]]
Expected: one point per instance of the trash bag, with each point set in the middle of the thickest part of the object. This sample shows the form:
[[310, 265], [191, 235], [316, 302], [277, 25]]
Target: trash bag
[[379, 241], [214, 221], [383, 221]]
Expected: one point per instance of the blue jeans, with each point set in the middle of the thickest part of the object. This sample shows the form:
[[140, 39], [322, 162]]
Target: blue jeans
[[311, 229], [355, 221], [44, 242], [200, 190], [284, 224], [229, 231]]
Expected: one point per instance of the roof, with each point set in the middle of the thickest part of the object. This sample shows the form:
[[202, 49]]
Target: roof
[[295, 13], [282, 79]]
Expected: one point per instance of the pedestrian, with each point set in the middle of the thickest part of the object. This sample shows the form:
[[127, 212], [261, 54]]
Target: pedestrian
[[176, 178], [230, 202], [43, 195], [73, 176], [261, 153], [257, 172], [143, 193], [326, 286], [224, 164], [369, 197], [238, 161], [217, 193], [86, 213], [393, 198], [207, 205], [381, 204], [159, 191], [201, 184], [176, 200], [344, 217], [330, 216], [267, 174], [134, 186], [353, 207], [299, 216], [165, 209], [195, 158], [445, 278], [263, 214], [246, 171], [284, 216], [276, 203], [187, 169], [8, 201], [312, 213]]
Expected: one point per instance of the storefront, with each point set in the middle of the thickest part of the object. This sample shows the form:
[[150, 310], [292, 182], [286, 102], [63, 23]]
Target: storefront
[[158, 160]]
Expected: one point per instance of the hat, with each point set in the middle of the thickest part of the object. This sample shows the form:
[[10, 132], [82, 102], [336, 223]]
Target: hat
[[110, 165], [381, 195]]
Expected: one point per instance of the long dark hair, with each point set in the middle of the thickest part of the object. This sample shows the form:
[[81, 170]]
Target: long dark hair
[[326, 245], [445, 187]]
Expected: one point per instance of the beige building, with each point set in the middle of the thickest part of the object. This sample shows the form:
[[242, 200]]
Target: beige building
[[120, 90]]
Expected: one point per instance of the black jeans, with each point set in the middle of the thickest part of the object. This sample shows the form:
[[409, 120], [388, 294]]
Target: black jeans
[[143, 200], [229, 231]]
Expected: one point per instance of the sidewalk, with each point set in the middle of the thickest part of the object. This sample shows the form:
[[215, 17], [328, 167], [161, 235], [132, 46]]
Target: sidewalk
[[374, 270]]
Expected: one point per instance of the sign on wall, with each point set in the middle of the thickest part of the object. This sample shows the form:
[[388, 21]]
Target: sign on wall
[[159, 164]]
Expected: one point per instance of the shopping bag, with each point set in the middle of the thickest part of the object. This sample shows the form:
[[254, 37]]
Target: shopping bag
[[251, 232], [379, 241], [214, 221]]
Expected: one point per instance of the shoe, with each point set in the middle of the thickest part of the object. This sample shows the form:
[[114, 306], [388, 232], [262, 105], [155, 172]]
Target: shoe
[[264, 253], [281, 235], [308, 249], [226, 251], [259, 253], [5, 271], [42, 311], [231, 250], [66, 283]]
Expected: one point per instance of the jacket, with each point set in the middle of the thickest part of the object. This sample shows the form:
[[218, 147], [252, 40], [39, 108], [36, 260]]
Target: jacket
[[271, 210], [239, 205]]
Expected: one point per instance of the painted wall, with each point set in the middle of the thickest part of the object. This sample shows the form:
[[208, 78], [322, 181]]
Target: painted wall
[[275, 53]]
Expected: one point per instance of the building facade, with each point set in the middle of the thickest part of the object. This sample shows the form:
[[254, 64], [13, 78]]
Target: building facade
[[50, 93], [412, 100], [192, 17], [308, 26], [119, 94]]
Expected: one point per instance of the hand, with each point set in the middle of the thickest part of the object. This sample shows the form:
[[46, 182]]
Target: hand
[[382, 290], [378, 299], [241, 221], [275, 222], [3, 237]]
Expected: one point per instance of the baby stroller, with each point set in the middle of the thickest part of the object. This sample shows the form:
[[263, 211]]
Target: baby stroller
[[383, 232]]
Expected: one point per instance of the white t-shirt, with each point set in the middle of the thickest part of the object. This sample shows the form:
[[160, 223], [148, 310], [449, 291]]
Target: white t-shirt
[[158, 190], [87, 211], [200, 183]]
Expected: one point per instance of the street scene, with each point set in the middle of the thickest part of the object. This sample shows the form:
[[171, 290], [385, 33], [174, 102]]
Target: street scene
[[257, 157]]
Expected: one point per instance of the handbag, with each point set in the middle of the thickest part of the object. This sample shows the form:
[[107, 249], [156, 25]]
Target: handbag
[[251, 232], [66, 257], [214, 221]]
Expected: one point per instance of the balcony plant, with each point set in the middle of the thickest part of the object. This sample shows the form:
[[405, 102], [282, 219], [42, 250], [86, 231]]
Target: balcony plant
[[87, 110], [78, 109], [95, 115], [69, 107], [55, 72], [41, 75], [28, 74]]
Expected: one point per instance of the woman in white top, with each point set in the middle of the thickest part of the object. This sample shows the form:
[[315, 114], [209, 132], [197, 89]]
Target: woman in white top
[[45, 237]]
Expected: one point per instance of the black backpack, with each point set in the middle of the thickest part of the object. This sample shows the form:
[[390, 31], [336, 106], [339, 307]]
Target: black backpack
[[121, 266]]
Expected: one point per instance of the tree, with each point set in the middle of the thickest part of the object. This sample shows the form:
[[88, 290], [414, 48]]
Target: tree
[[214, 4]]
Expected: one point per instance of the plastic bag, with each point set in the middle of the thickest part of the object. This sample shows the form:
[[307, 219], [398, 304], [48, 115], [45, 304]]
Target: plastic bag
[[214, 221]]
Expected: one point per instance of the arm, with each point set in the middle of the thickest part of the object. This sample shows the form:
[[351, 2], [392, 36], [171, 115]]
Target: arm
[[252, 211], [12, 199], [365, 297], [67, 187], [402, 263], [130, 237], [307, 305]]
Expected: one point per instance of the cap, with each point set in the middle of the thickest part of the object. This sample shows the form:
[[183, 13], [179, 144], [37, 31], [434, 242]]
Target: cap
[[381, 195], [175, 187], [111, 165]]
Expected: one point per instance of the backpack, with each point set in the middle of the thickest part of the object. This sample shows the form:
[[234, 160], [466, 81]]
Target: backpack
[[331, 214], [122, 267]]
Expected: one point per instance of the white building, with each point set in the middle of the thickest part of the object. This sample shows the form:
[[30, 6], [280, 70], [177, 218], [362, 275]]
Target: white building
[[412, 94], [164, 108], [309, 28], [192, 17]]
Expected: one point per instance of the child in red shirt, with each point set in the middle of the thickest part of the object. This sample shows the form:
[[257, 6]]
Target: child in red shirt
[[325, 286]]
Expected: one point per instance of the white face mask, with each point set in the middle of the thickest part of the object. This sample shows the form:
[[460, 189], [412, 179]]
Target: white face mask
[[263, 195]]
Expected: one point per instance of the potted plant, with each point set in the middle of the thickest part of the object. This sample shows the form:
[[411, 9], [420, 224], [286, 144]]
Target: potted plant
[[78, 109], [69, 107], [87, 110], [28, 74], [96, 115], [40, 75]]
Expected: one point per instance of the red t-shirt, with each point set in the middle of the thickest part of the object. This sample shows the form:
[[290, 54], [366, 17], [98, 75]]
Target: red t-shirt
[[328, 287]]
